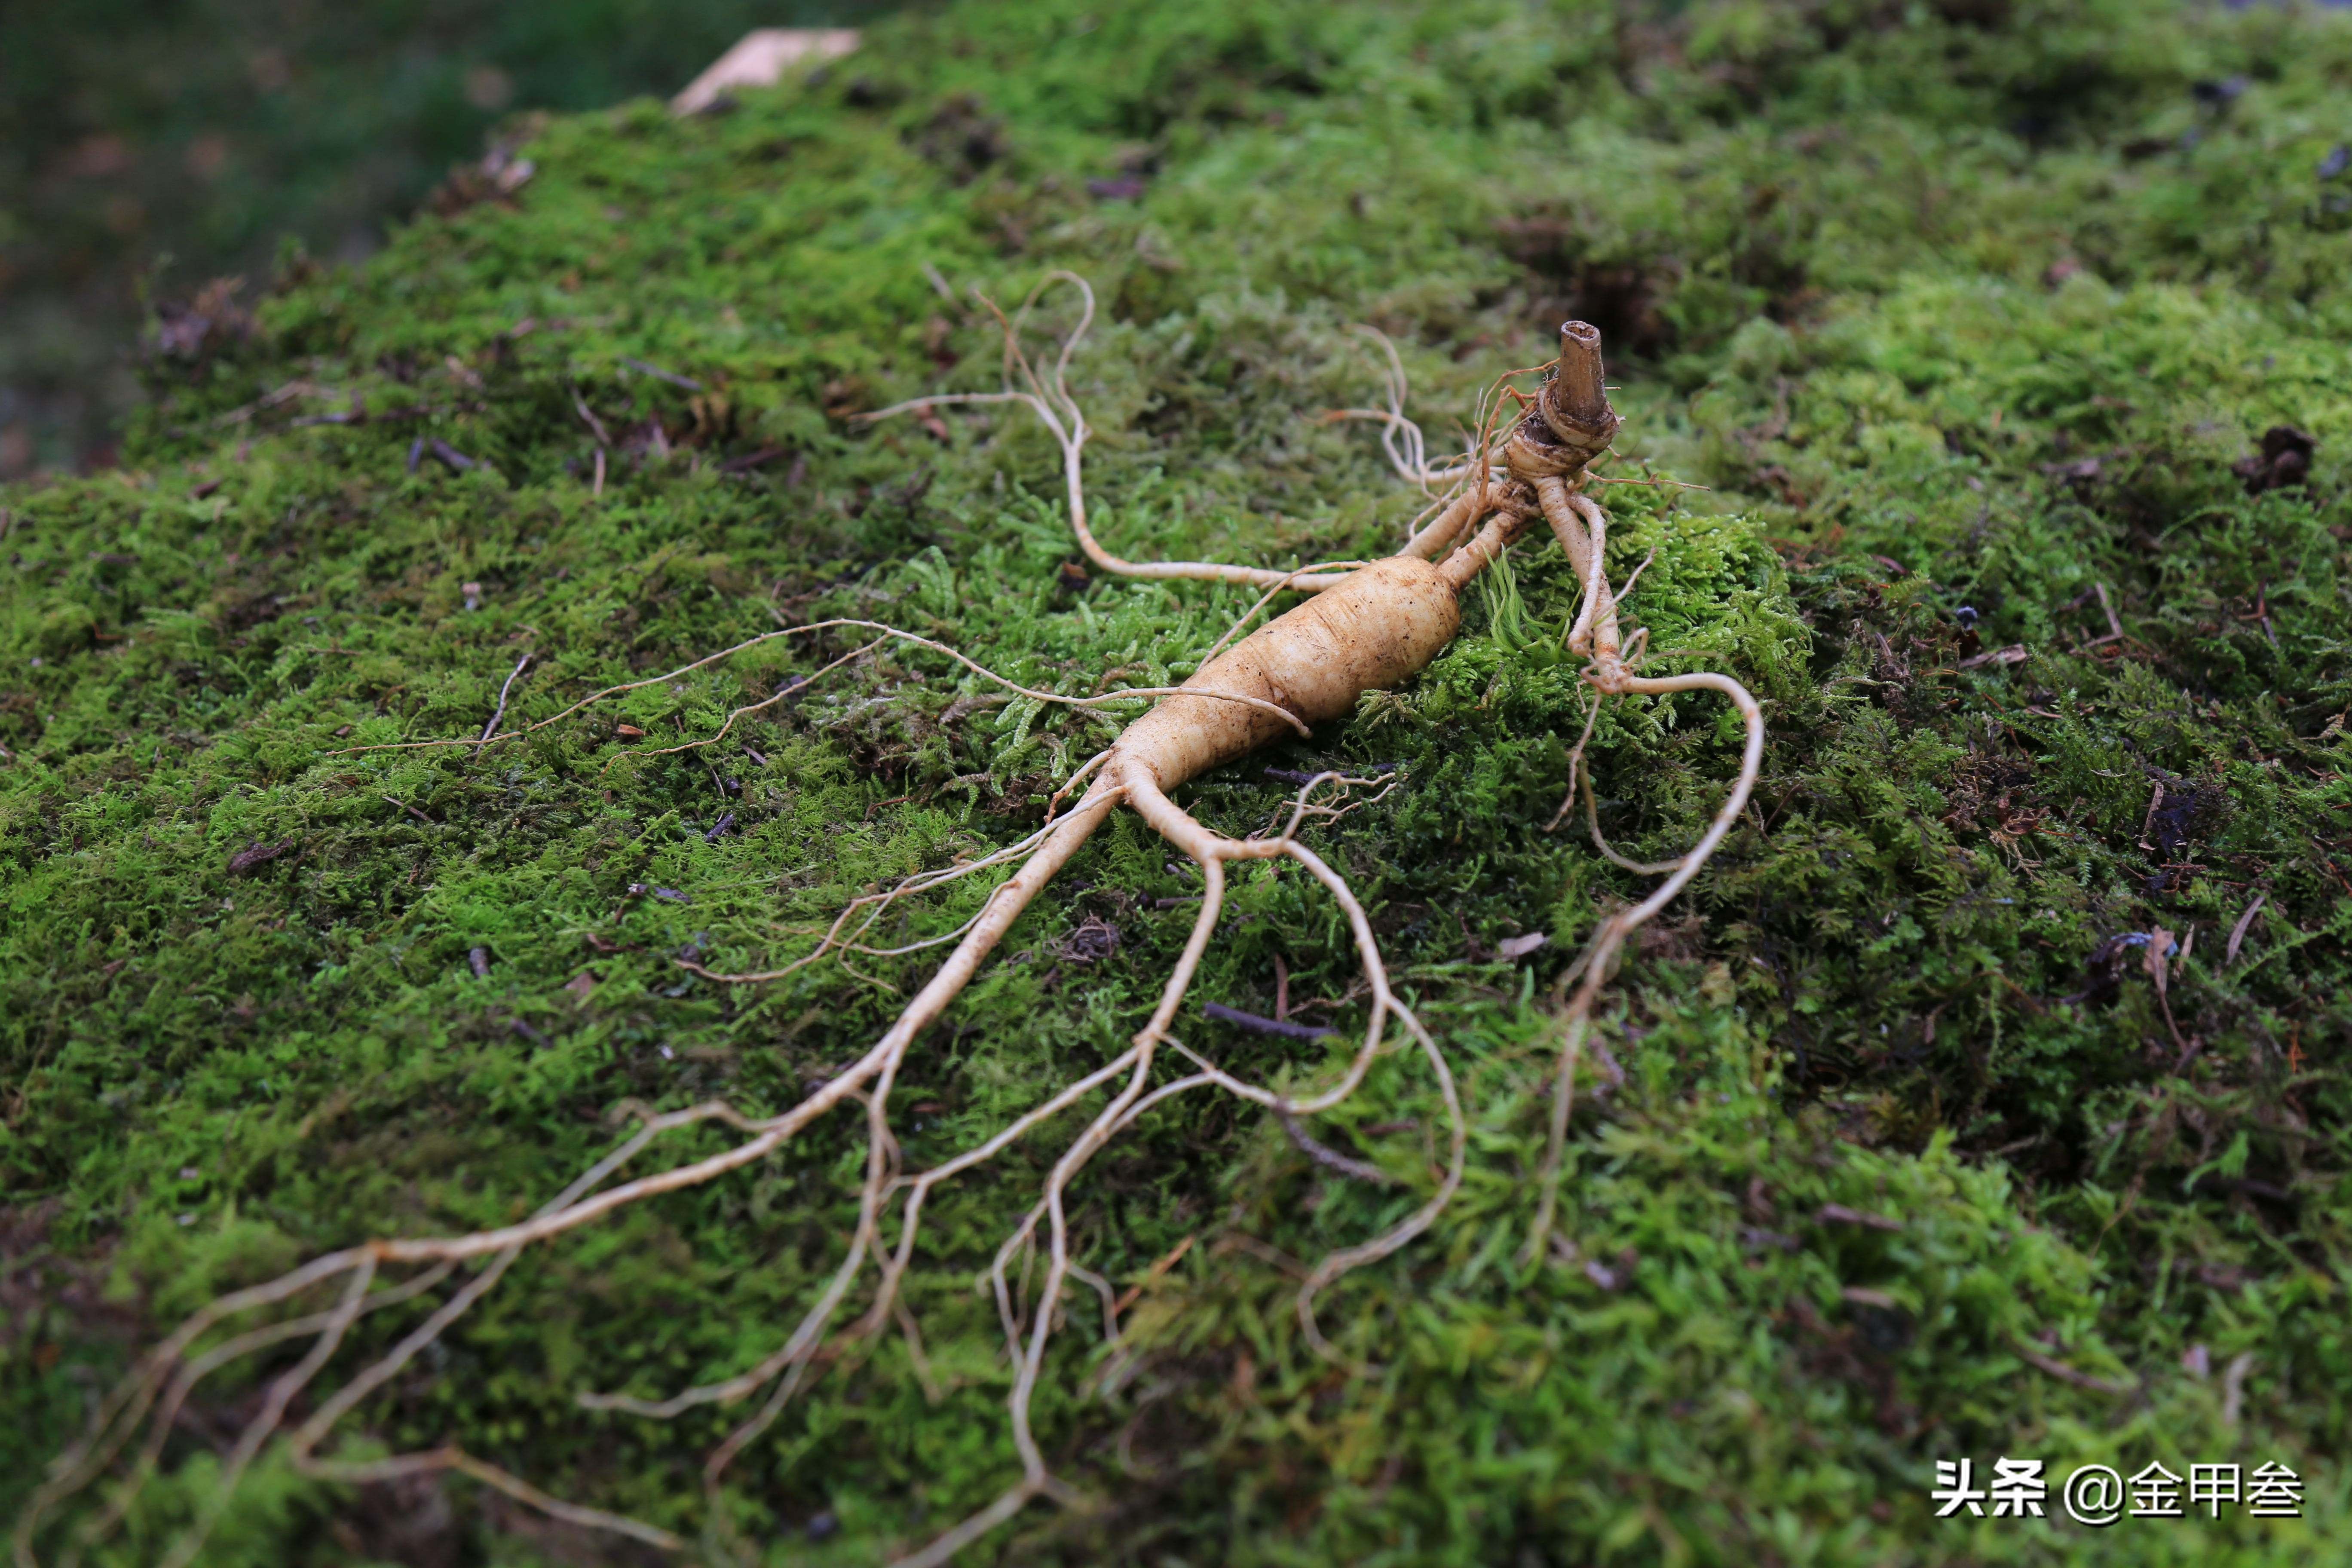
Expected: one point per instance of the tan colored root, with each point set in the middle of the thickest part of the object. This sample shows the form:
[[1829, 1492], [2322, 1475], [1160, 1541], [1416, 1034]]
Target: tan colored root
[[1048, 397], [1210, 851], [795, 687], [1402, 440], [876, 905], [1379, 626], [582, 1203], [1028, 1330], [1580, 527], [121, 1415], [1376, 624], [880, 902], [127, 1406]]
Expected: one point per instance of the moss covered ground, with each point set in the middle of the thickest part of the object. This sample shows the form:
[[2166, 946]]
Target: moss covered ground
[[1972, 317]]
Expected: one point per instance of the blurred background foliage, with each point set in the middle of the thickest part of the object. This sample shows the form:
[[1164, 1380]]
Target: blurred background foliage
[[151, 145]]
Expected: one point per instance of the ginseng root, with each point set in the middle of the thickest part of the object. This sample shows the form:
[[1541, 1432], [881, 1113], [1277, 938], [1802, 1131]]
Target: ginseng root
[[1367, 626]]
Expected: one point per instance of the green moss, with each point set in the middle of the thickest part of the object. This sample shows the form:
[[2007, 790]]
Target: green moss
[[1831, 241]]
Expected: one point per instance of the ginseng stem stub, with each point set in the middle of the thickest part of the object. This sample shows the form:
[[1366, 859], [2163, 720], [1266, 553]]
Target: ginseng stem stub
[[1581, 390]]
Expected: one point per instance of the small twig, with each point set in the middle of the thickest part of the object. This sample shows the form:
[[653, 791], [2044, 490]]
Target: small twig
[[2238, 931], [2063, 1373], [588, 418], [1264, 1252], [286, 394], [2233, 1387], [1678, 484], [1330, 1158], [2148, 822], [491, 728], [751, 460], [412, 811], [671, 376], [1256, 1025], [2159, 951], [1134, 1292], [356, 415], [2114, 626], [894, 800], [1295, 776], [256, 855]]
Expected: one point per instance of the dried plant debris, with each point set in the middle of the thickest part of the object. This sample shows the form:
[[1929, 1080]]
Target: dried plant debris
[[2283, 458], [2072, 1050], [196, 329]]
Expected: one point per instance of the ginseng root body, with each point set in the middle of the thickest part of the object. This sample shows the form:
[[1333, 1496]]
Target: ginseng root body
[[1377, 628], [1368, 626]]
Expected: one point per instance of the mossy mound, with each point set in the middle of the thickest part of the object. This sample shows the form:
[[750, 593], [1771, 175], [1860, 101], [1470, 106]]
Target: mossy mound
[[1973, 317]]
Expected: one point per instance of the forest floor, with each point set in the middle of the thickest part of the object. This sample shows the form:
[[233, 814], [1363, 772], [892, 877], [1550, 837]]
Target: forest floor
[[1986, 1096]]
